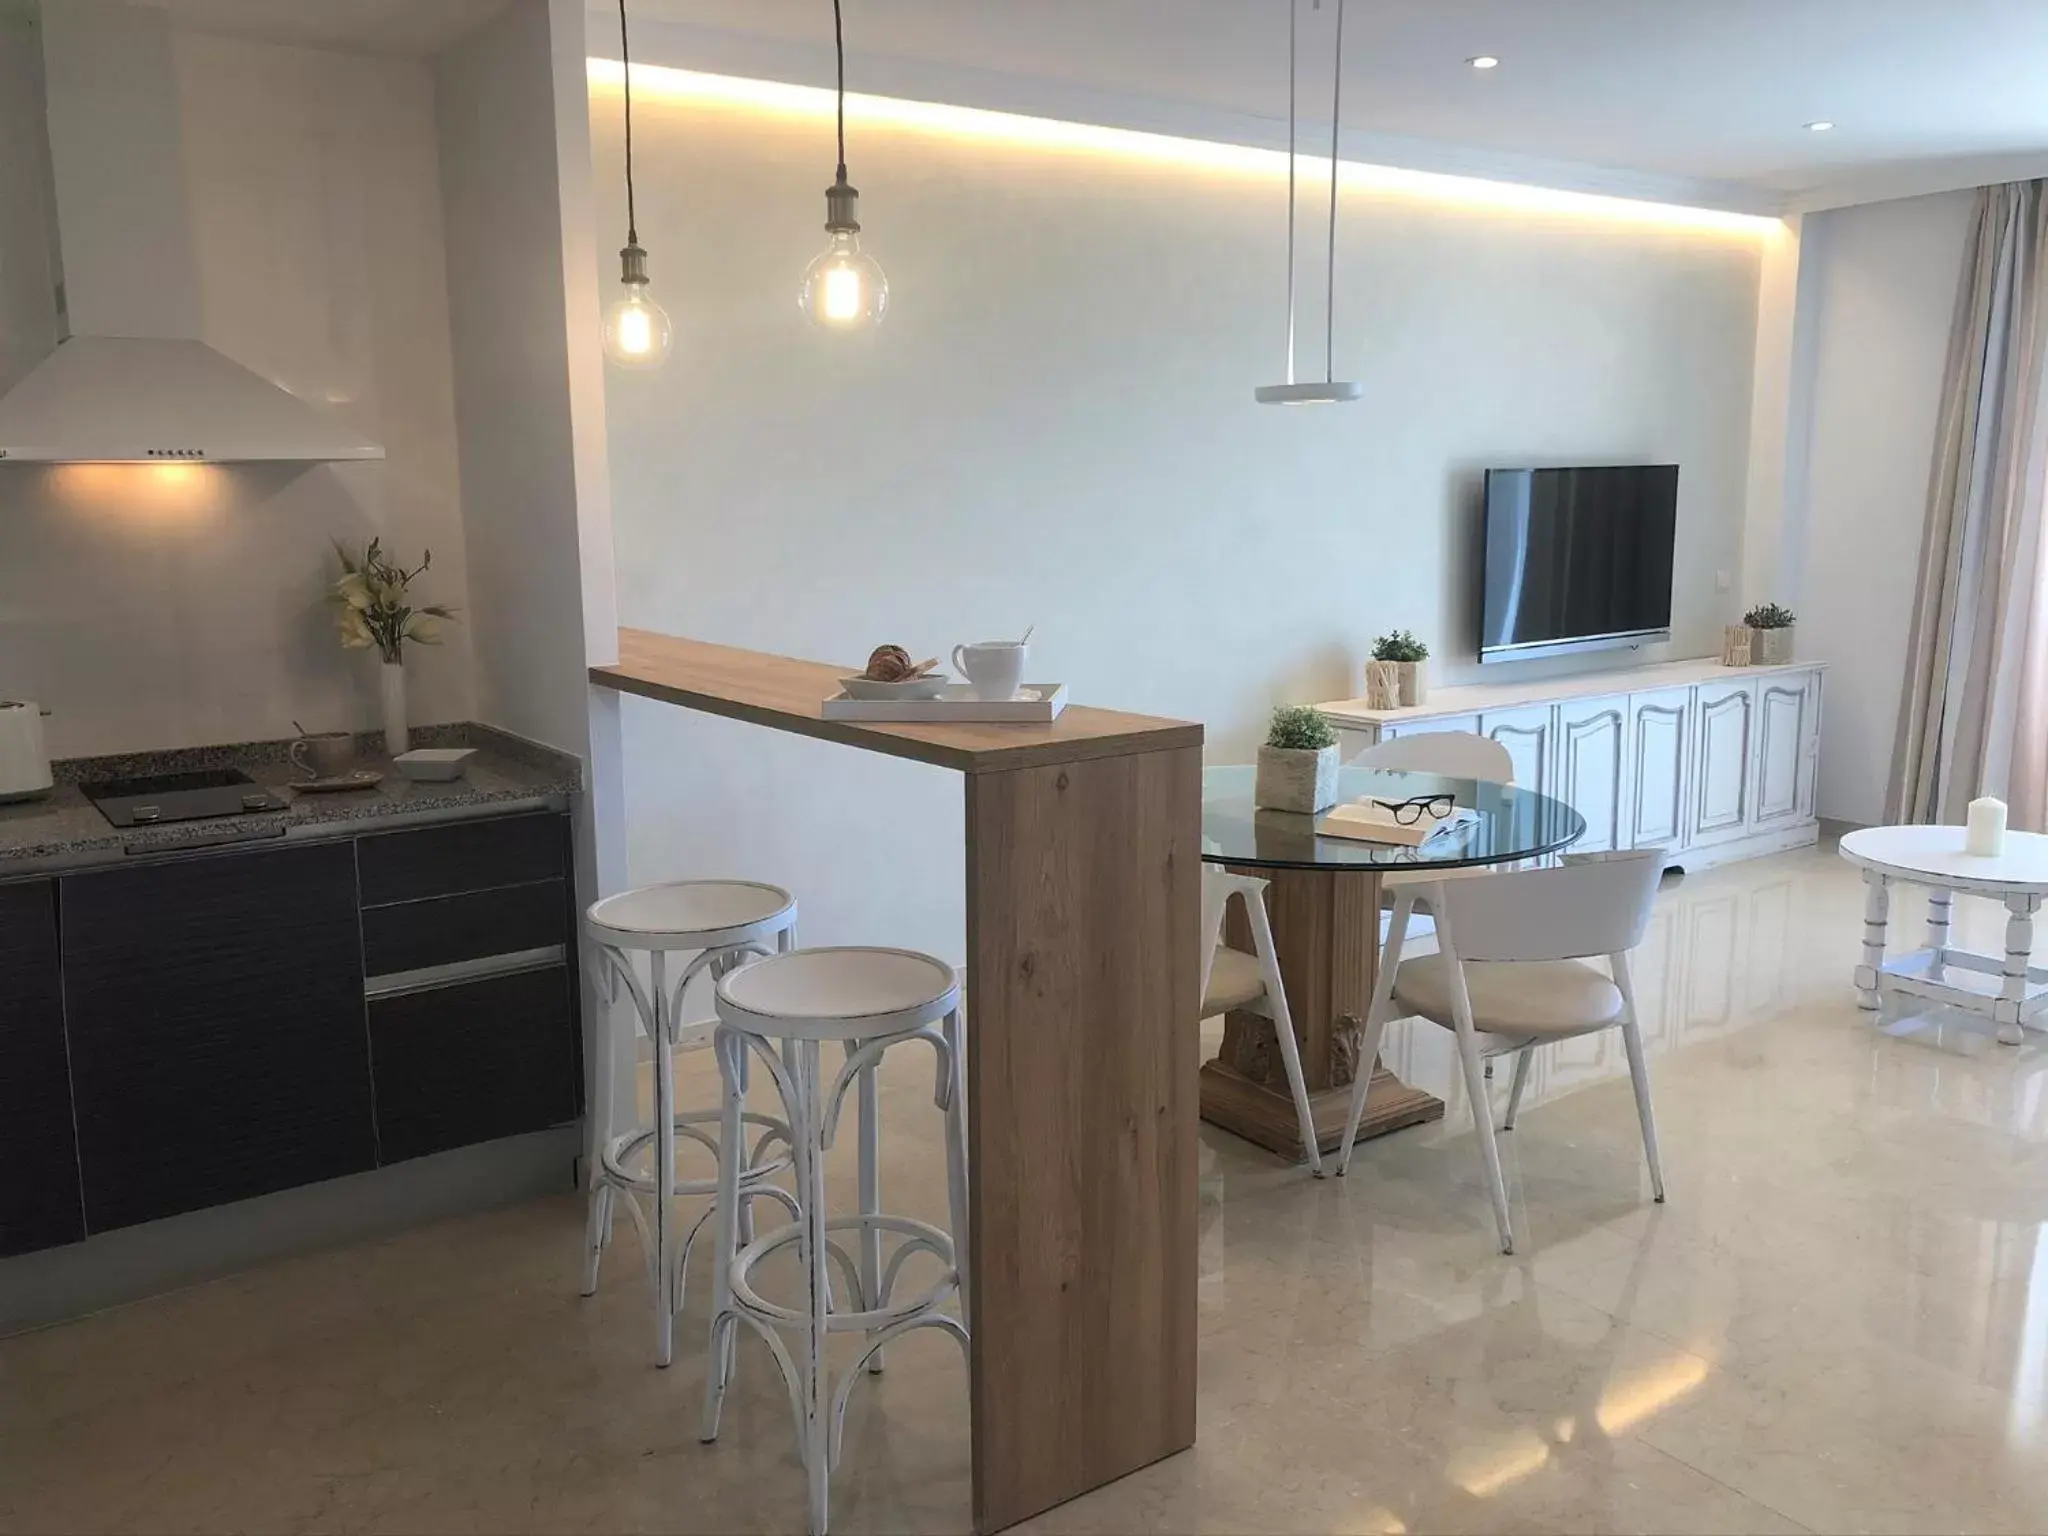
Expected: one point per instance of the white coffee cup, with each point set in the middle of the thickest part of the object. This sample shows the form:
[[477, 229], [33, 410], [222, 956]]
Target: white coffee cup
[[993, 668]]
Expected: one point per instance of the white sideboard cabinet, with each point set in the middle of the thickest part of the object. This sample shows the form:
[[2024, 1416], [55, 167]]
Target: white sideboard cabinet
[[1713, 763]]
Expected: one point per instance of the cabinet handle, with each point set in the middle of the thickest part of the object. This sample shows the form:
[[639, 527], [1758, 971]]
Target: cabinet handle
[[428, 977]]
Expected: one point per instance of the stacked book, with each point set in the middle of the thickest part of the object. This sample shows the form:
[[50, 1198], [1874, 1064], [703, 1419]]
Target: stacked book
[[1370, 822]]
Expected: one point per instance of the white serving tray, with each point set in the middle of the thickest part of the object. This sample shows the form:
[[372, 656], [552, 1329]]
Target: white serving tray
[[1036, 704]]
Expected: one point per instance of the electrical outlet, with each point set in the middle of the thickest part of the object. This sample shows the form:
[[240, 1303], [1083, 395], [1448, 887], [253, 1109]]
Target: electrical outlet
[[1722, 581]]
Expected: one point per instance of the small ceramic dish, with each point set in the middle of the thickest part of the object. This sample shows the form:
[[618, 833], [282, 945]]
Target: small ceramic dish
[[433, 765], [930, 686]]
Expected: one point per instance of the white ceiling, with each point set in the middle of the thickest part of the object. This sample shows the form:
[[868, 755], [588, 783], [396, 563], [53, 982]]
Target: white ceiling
[[1703, 99], [1939, 92], [413, 27]]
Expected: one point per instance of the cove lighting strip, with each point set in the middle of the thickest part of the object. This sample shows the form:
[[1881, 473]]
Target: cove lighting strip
[[688, 85]]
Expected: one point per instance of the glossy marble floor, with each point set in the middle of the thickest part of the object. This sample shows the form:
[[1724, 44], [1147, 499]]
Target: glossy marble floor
[[1839, 1322]]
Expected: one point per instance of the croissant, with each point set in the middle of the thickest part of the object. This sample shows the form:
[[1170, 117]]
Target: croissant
[[889, 664]]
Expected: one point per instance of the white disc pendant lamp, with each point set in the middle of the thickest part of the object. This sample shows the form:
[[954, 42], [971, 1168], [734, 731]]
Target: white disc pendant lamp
[[1329, 390]]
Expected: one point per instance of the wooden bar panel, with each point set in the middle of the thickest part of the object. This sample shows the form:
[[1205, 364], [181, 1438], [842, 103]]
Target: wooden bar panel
[[1083, 902]]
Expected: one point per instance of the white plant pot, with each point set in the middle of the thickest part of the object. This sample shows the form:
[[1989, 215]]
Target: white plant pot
[[1771, 647], [1295, 779], [1396, 684], [391, 680]]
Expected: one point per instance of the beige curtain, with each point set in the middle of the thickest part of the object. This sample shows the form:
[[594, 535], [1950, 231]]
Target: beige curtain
[[1973, 718]]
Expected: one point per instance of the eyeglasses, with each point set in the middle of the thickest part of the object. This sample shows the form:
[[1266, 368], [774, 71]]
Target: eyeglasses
[[1407, 812]]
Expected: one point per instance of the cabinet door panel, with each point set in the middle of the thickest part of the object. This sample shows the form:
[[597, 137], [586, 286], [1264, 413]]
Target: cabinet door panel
[[218, 1044], [469, 1063], [1592, 769], [1809, 748], [39, 1203], [1725, 716], [1527, 734], [1787, 729], [1658, 755]]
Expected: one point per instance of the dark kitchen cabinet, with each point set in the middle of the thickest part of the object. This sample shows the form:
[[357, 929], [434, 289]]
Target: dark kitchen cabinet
[[475, 1061], [39, 1202], [219, 1048]]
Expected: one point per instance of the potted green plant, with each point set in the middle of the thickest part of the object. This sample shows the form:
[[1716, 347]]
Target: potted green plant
[[1298, 763], [1770, 634], [373, 607], [1397, 677]]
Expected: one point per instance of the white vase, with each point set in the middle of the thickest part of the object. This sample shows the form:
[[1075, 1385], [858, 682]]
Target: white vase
[[392, 681]]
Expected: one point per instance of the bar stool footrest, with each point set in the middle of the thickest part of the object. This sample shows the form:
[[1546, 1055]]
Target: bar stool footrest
[[612, 1161], [874, 1313]]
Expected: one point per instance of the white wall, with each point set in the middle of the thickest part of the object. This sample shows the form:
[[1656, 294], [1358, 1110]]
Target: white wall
[[1055, 426], [515, 175], [1878, 291], [508, 284], [154, 607]]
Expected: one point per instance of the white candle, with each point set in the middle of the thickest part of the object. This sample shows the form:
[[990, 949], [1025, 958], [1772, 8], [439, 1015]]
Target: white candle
[[1986, 836]]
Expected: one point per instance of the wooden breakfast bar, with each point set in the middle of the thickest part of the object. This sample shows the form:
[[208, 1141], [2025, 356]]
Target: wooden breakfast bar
[[1083, 880]]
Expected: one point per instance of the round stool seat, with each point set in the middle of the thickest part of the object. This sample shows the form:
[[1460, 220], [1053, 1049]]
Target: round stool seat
[[855, 990], [691, 914]]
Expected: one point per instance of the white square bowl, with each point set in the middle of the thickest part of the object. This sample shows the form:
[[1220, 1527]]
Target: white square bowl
[[433, 765]]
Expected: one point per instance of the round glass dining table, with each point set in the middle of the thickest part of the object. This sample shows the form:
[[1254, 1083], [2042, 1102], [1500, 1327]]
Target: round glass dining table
[[1324, 898], [1513, 824]]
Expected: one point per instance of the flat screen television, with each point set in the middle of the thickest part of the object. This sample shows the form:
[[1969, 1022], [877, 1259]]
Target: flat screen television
[[1576, 560]]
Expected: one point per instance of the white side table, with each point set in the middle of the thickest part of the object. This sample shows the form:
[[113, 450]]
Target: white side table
[[2009, 989]]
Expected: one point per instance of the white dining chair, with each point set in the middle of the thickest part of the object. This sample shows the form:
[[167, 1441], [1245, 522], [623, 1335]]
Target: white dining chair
[[1511, 973], [1454, 754], [1232, 980]]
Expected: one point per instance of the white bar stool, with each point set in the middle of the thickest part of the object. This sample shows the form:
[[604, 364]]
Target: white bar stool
[[782, 1009], [726, 923]]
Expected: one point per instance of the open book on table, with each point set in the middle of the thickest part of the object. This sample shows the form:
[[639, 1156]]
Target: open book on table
[[1370, 822]]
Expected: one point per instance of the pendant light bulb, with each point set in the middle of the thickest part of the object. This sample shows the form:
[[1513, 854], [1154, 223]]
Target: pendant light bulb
[[636, 329], [844, 288]]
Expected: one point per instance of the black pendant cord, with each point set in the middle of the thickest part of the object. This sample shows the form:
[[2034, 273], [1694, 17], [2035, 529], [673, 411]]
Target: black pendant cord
[[839, 48], [626, 65]]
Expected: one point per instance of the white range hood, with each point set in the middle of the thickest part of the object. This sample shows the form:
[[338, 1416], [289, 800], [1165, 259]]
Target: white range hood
[[131, 382], [124, 399]]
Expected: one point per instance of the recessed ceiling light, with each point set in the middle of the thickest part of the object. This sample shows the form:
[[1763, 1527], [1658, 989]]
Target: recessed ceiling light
[[1484, 61], [1822, 126]]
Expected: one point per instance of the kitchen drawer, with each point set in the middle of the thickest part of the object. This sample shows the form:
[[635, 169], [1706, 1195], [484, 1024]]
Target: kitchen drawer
[[472, 1062], [463, 856], [416, 934]]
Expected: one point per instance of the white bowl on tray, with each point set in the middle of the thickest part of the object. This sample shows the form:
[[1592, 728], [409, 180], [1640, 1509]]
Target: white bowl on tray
[[930, 686]]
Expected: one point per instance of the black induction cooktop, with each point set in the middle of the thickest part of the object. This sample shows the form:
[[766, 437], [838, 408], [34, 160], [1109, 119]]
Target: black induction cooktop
[[198, 795]]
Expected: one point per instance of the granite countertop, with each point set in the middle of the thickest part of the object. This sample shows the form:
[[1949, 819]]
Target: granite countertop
[[65, 830]]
